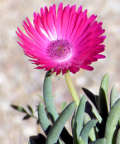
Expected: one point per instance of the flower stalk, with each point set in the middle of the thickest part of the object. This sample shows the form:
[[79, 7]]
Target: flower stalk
[[71, 88]]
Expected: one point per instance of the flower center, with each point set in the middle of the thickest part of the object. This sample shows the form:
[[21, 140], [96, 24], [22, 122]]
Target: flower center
[[60, 50]]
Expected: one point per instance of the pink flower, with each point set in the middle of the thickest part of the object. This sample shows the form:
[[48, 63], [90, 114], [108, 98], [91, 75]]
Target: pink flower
[[62, 40]]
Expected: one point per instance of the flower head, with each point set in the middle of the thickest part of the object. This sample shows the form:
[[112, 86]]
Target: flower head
[[62, 40]]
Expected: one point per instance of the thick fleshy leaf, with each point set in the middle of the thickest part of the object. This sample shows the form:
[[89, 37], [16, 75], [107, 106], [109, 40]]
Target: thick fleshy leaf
[[48, 98], [114, 96], [58, 126], [103, 104], [100, 141], [114, 140], [118, 137], [80, 141], [77, 120], [86, 130], [112, 122], [80, 115], [42, 118], [92, 134], [103, 96]]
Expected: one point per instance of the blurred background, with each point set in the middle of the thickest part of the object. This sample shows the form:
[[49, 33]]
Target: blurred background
[[21, 84]]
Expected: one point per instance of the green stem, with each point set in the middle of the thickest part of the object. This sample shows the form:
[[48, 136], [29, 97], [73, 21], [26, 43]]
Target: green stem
[[71, 88]]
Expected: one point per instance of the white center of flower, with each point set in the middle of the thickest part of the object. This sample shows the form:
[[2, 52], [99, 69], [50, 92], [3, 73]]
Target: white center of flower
[[59, 50]]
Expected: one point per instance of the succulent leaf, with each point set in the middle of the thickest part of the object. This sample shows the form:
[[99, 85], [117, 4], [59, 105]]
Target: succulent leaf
[[103, 95], [118, 137], [92, 135], [58, 126], [42, 117], [48, 98], [112, 122], [79, 117], [114, 96], [80, 141], [100, 141], [103, 105], [86, 130]]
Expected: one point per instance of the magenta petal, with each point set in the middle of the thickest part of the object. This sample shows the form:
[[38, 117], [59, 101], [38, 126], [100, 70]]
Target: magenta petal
[[63, 39]]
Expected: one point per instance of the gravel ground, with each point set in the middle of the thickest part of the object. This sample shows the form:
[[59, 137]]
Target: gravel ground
[[21, 84]]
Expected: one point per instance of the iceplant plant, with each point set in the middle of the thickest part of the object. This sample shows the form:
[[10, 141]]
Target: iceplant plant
[[63, 39], [83, 124]]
